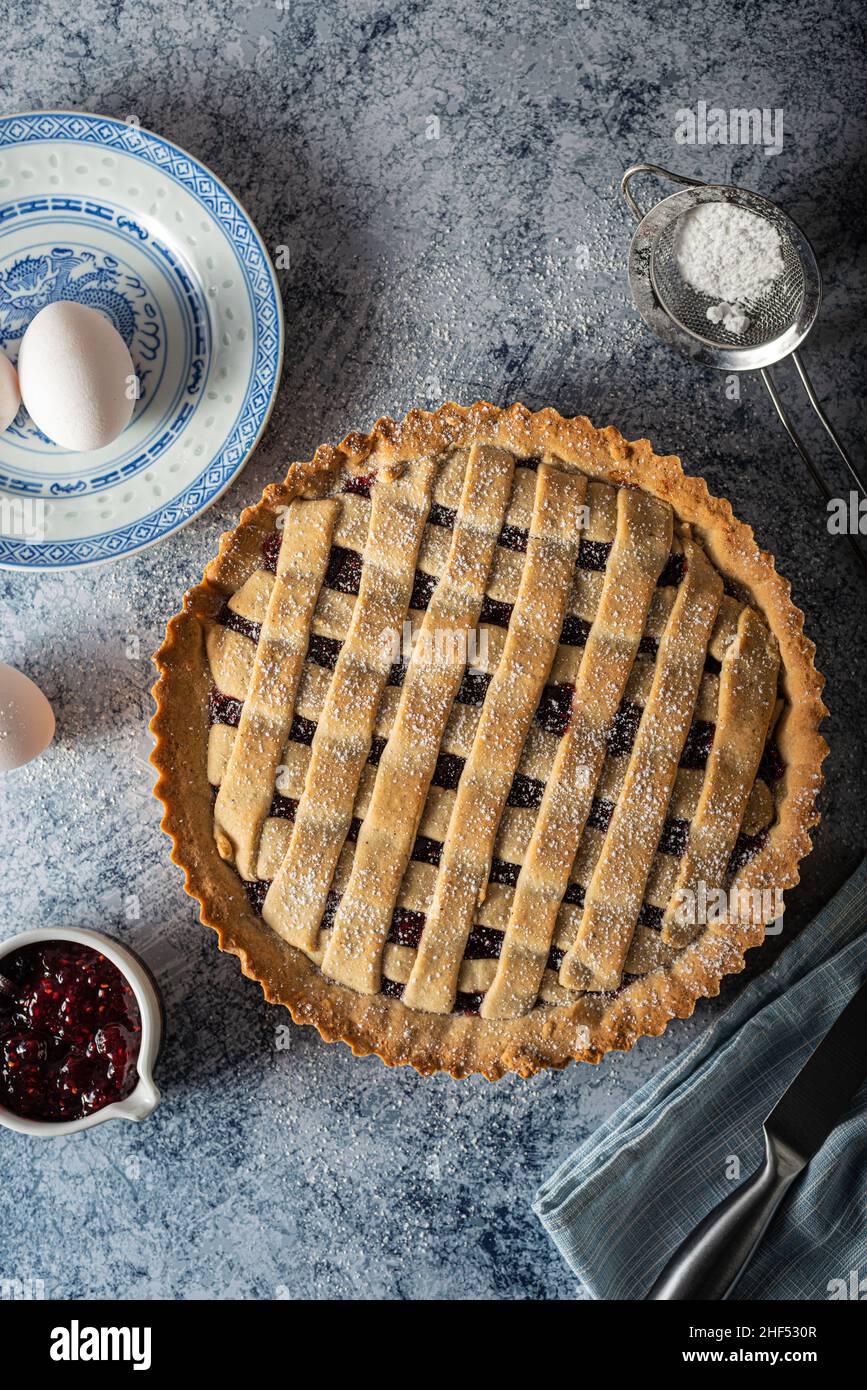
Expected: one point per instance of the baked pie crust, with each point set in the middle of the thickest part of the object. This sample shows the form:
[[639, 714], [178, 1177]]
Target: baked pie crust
[[469, 860]]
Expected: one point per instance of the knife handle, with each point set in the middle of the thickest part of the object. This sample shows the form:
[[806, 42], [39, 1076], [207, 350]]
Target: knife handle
[[712, 1258]]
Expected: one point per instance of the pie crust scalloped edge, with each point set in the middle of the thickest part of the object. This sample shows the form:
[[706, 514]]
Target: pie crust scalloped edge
[[547, 1037]]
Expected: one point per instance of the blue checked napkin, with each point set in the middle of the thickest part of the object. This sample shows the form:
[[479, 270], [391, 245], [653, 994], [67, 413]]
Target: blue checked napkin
[[621, 1205]]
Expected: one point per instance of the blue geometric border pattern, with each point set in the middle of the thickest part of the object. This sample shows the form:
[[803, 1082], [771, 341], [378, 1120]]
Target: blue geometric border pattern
[[175, 164]]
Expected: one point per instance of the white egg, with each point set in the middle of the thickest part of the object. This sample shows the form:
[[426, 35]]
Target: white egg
[[26, 719], [76, 375], [10, 396]]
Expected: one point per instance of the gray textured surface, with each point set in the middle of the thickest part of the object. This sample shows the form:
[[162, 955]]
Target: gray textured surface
[[421, 269]]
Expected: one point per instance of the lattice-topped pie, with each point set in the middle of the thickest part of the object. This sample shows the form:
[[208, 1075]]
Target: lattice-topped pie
[[468, 721]]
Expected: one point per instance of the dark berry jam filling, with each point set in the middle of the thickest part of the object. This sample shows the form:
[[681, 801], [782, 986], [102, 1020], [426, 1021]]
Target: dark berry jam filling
[[223, 709], [473, 688], [699, 742], [406, 927], [302, 730], [257, 891], [496, 612], [593, 555], [323, 651], [70, 1032], [675, 837], [344, 570], [575, 631], [514, 538], [624, 728], [227, 617], [651, 917], [555, 708], [442, 516], [397, 673], [745, 847], [360, 484], [502, 871], [484, 943], [283, 807], [427, 851], [673, 571], [332, 902], [772, 766], [526, 791], [600, 814], [422, 590], [447, 772]]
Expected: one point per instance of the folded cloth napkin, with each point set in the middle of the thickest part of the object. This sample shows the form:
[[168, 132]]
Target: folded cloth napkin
[[624, 1201]]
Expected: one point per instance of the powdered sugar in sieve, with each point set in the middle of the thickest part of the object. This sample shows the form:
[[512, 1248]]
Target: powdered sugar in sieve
[[701, 255], [731, 255]]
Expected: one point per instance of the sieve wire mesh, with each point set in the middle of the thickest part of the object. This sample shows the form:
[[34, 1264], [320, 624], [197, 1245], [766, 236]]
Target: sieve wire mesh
[[770, 314]]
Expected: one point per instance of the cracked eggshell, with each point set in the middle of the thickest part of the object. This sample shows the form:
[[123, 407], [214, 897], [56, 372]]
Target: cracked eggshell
[[76, 376], [10, 395], [26, 719]]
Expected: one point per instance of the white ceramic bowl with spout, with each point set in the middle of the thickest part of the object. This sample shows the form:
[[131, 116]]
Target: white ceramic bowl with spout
[[144, 1099]]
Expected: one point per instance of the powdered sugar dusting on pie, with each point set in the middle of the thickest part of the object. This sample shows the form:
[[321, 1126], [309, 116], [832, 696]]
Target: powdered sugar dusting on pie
[[486, 697]]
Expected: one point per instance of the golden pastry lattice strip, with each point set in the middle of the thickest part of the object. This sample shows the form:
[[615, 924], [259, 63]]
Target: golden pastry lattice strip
[[616, 890], [232, 656], [509, 705], [247, 786], [296, 899], [640, 550], [433, 676], [748, 687], [516, 826]]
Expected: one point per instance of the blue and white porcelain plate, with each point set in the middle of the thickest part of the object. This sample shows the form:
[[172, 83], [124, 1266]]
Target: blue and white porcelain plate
[[104, 213]]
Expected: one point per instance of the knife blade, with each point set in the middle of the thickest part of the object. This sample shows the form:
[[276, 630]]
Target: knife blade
[[809, 1108], [713, 1257]]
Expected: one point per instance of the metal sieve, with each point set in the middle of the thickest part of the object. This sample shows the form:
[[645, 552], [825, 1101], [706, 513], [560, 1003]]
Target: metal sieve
[[771, 315], [780, 319]]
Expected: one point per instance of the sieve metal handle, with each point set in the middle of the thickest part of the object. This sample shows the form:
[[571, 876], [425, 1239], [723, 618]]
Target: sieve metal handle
[[765, 374], [662, 173], [829, 429]]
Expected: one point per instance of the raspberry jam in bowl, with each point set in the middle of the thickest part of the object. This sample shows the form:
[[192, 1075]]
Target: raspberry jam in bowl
[[80, 1027]]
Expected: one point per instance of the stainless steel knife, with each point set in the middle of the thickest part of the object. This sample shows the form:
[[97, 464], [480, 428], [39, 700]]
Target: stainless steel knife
[[711, 1260]]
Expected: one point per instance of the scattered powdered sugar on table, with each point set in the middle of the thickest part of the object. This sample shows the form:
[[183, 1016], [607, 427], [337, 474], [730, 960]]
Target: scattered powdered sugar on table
[[730, 254]]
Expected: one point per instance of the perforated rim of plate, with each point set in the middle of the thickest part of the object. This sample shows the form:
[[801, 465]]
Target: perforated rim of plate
[[81, 187]]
